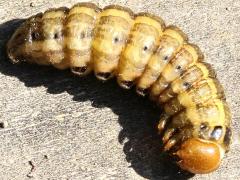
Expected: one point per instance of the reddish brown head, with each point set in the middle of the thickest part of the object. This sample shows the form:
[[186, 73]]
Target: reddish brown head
[[199, 156]]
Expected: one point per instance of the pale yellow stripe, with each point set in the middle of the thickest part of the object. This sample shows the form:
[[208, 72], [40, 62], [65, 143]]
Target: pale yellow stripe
[[175, 34], [53, 14], [149, 21], [116, 12], [85, 10], [192, 51], [204, 69]]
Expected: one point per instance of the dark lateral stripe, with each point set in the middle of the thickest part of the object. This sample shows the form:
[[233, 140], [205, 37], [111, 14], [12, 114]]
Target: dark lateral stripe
[[53, 52], [78, 52], [83, 35], [110, 20]]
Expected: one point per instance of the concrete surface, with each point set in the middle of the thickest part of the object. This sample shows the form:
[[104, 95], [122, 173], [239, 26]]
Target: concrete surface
[[61, 127]]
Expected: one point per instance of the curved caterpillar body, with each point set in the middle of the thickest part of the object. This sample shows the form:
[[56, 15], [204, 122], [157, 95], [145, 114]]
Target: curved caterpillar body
[[138, 50]]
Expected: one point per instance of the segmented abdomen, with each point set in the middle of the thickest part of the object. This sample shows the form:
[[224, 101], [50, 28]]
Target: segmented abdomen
[[138, 50]]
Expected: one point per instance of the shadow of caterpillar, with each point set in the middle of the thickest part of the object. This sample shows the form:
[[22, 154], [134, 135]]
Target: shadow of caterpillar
[[139, 51]]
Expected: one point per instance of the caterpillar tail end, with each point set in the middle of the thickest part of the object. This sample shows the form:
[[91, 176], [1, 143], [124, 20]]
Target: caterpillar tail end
[[14, 47], [199, 156], [10, 52]]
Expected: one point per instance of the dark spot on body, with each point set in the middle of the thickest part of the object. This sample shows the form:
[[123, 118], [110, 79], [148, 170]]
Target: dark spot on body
[[186, 85], [178, 67], [165, 58], [57, 35], [82, 35], [116, 40], [145, 48], [91, 33], [35, 36]]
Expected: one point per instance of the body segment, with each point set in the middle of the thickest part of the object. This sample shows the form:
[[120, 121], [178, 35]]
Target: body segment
[[193, 75], [170, 43], [142, 43], [79, 32], [111, 33], [185, 58]]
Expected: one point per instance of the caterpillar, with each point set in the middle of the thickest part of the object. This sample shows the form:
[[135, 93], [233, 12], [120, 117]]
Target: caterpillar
[[138, 50]]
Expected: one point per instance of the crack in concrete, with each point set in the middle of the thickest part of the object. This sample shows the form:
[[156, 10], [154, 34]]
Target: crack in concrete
[[29, 175], [33, 167]]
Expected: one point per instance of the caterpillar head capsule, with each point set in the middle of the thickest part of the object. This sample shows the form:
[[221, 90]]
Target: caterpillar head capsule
[[199, 156]]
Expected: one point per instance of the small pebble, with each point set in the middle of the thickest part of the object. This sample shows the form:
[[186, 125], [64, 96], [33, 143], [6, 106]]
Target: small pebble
[[3, 124], [31, 4]]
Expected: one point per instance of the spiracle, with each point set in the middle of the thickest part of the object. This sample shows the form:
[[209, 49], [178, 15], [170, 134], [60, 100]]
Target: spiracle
[[138, 50]]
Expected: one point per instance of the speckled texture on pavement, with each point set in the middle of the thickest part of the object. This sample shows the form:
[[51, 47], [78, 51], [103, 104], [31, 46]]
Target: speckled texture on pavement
[[58, 126]]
